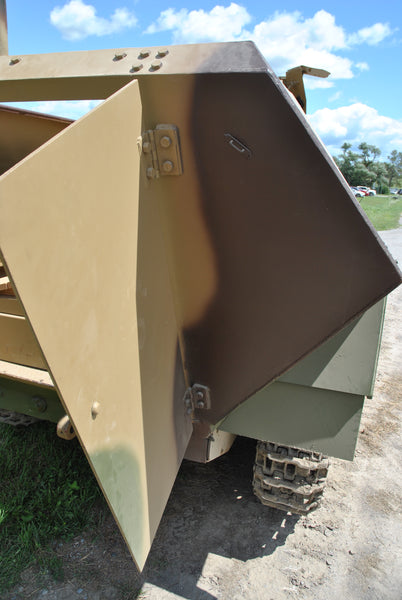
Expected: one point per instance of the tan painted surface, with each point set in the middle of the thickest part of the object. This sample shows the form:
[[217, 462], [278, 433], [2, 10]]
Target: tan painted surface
[[10, 306], [25, 374], [98, 73], [17, 342], [75, 205], [22, 131]]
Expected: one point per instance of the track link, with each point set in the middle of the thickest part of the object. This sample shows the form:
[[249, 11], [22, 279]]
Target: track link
[[288, 478], [16, 419]]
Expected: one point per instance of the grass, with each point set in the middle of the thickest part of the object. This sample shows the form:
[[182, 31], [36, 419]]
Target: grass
[[383, 211], [47, 491]]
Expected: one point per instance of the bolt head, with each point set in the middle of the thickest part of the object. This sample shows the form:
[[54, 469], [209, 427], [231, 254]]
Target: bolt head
[[155, 65], [162, 52], [165, 141], [146, 147], [40, 403], [143, 54], [137, 67], [120, 55], [200, 404], [151, 173], [167, 166], [95, 409]]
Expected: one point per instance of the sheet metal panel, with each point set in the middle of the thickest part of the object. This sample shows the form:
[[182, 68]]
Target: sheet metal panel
[[296, 415], [269, 251], [99, 73], [72, 218], [17, 342], [22, 131], [348, 361]]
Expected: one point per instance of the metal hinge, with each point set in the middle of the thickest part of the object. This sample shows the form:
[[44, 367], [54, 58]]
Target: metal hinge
[[197, 396], [160, 151]]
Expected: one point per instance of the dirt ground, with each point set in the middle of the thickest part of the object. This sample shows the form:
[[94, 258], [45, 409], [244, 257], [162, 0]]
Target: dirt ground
[[215, 540]]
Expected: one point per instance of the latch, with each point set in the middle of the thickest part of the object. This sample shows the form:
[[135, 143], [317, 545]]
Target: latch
[[197, 396], [161, 151]]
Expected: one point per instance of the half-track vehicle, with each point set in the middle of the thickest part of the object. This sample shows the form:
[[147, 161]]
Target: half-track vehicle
[[173, 273]]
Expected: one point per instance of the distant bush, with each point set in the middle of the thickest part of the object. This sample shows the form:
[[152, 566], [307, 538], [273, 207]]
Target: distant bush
[[382, 189]]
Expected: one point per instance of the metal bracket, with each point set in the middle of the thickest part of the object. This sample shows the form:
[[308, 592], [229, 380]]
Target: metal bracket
[[294, 81], [160, 150], [197, 397]]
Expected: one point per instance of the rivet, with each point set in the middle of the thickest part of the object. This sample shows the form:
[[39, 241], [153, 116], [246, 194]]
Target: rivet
[[167, 166], [120, 56], [95, 409], [143, 54], [165, 141], [15, 60], [162, 52], [155, 65], [137, 67]]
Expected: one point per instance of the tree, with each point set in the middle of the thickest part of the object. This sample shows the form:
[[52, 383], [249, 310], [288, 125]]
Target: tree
[[393, 167], [363, 168], [347, 163], [369, 154]]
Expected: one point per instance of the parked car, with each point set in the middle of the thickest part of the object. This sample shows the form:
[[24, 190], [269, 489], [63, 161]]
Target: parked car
[[357, 193], [366, 190]]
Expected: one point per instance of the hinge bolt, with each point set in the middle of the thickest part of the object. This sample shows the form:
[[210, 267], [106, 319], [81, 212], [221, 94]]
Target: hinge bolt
[[165, 141], [167, 166], [151, 173]]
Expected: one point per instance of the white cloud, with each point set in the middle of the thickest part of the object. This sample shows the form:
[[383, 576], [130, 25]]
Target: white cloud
[[286, 39], [357, 123], [199, 25], [371, 35], [362, 66], [335, 96], [77, 20]]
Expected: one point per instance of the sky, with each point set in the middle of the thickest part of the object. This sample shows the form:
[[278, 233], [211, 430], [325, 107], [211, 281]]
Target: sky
[[358, 41]]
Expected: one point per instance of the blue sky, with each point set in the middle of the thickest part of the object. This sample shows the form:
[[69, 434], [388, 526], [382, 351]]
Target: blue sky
[[359, 42]]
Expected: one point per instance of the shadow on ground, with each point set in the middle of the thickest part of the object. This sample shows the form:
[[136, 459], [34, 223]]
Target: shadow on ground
[[212, 509]]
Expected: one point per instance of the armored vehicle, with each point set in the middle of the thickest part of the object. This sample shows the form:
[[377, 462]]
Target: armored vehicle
[[183, 264]]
